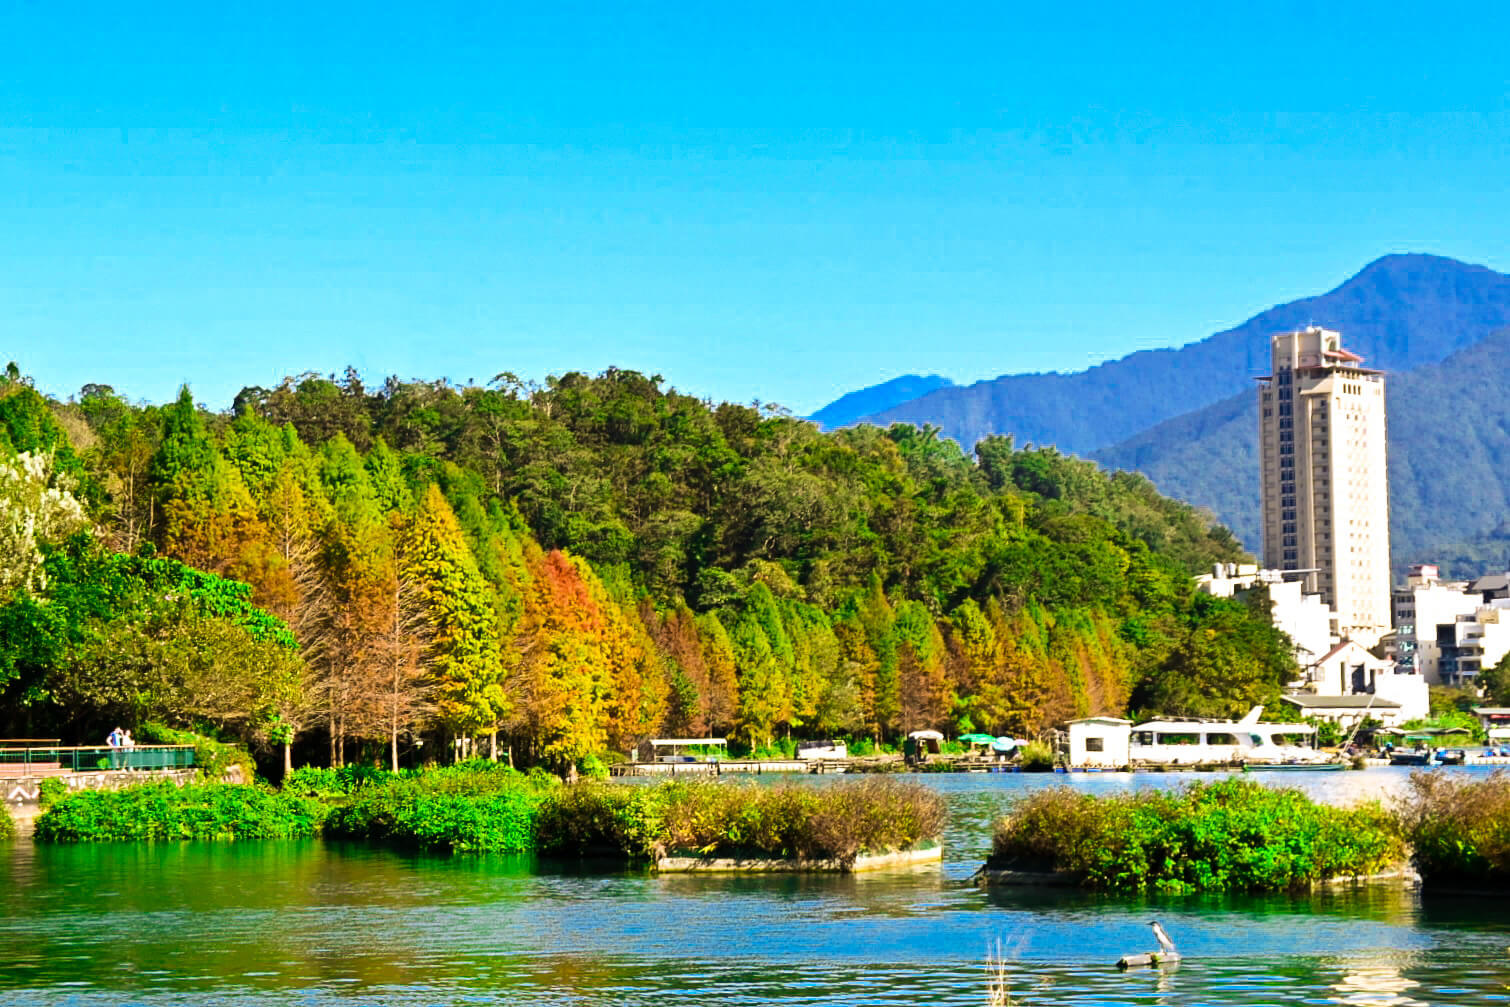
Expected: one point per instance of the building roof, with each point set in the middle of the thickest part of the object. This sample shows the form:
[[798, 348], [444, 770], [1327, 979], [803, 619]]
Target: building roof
[[1491, 582], [1308, 702], [1492, 711], [1344, 645], [1100, 720]]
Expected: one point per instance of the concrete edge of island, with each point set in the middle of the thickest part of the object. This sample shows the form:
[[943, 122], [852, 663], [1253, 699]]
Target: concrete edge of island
[[988, 877], [921, 854]]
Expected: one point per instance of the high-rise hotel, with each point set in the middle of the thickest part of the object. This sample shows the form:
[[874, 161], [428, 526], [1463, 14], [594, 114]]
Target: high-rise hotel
[[1325, 493]]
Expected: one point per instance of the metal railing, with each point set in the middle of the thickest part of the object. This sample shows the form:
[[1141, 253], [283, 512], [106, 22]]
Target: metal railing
[[93, 758]]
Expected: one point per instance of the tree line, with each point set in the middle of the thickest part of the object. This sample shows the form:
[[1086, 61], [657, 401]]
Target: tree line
[[569, 569]]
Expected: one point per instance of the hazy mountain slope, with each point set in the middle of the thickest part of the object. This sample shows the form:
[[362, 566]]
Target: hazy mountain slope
[[1449, 452], [1208, 458], [1399, 312], [848, 408]]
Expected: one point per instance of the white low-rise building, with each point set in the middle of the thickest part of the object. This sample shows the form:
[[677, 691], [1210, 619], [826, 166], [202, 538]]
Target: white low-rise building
[[1425, 603], [1473, 642], [1099, 742], [1496, 721], [1348, 711]]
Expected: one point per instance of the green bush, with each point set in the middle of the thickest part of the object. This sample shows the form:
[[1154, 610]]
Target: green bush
[[162, 810], [1459, 829], [1037, 757], [332, 785], [473, 806], [602, 819], [7, 825], [708, 818], [212, 758], [1233, 835], [50, 791]]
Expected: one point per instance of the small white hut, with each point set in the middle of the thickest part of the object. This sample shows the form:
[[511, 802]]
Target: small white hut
[[1100, 742]]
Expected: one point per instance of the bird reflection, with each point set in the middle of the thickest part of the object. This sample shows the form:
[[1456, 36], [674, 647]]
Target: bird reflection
[[1375, 986]]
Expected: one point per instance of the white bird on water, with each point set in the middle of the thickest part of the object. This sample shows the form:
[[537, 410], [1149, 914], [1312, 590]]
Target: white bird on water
[[1166, 946]]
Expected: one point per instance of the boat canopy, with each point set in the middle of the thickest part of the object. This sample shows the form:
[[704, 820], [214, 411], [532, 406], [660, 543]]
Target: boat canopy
[[1220, 727], [926, 736]]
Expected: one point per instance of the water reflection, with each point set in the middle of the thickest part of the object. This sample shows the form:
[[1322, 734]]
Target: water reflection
[[326, 924], [1376, 985]]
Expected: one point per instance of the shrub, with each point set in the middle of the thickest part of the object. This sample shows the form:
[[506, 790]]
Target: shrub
[[1233, 835], [1459, 828], [603, 819], [472, 806], [50, 791], [1037, 757], [708, 818], [212, 758], [332, 785], [7, 825], [164, 811]]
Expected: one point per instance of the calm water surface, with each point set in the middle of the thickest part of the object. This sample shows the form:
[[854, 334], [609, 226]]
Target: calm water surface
[[321, 923]]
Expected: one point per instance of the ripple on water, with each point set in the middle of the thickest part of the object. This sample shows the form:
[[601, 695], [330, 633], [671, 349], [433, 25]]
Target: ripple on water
[[328, 924]]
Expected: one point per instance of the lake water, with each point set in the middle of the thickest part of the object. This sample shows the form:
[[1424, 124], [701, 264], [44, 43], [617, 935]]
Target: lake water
[[313, 923]]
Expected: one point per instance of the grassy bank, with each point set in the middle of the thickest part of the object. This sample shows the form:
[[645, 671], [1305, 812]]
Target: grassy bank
[[1459, 830], [1229, 836], [486, 807]]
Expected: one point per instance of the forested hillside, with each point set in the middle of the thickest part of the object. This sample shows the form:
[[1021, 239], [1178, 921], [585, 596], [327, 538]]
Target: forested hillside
[[572, 568], [1399, 312], [1449, 447]]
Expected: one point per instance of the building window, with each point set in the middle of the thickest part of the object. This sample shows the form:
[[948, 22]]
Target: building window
[[1095, 744]]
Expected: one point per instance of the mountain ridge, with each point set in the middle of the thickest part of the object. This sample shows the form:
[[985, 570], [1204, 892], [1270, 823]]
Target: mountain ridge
[[1448, 501], [1399, 311], [851, 406]]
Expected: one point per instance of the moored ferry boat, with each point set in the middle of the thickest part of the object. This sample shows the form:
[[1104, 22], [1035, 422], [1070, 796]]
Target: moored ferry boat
[[1211, 742]]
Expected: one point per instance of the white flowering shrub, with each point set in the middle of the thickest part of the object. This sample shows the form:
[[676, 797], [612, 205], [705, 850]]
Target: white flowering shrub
[[37, 506]]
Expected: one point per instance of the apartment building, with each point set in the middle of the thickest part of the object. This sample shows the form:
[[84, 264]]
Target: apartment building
[[1324, 482]]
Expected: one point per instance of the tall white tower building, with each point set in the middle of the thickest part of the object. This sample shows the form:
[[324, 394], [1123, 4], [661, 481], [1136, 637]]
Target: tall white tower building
[[1325, 489]]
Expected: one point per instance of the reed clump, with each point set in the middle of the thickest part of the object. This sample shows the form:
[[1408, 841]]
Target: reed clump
[[725, 819], [1459, 829], [1228, 836]]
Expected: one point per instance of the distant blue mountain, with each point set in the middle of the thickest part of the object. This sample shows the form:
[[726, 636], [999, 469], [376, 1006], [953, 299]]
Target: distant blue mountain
[[1400, 312], [845, 410]]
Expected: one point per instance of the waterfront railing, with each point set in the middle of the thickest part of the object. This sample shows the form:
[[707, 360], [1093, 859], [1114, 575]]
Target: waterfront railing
[[41, 760]]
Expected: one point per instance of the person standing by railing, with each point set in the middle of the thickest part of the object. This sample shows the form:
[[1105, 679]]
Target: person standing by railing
[[115, 739], [128, 743]]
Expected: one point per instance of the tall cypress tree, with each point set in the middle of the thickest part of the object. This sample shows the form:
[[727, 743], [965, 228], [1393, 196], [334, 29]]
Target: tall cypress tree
[[469, 675]]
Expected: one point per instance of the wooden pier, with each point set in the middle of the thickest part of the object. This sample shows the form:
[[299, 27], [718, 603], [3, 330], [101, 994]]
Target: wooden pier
[[722, 767]]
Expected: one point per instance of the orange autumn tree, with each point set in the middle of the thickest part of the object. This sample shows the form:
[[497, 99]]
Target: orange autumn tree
[[560, 689]]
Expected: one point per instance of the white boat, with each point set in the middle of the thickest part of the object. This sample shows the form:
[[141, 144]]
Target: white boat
[[1209, 742], [824, 749]]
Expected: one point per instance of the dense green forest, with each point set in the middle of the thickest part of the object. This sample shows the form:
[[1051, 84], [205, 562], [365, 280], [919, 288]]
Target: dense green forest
[[417, 569]]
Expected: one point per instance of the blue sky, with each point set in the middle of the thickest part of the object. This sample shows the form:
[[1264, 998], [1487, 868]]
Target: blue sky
[[776, 201]]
